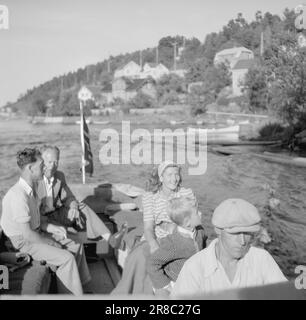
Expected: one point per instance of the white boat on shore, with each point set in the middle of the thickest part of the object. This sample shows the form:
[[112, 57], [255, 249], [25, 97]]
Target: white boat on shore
[[230, 134], [101, 122], [88, 121]]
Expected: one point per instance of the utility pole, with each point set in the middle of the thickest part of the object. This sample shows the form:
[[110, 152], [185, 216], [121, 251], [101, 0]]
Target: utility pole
[[108, 64], [157, 55], [61, 92], [174, 56], [140, 59], [262, 44], [87, 75]]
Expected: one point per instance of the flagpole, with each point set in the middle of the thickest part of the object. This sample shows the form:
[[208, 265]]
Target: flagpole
[[82, 142]]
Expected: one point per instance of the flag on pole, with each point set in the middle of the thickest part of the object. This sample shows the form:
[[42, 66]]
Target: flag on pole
[[87, 150], [87, 159]]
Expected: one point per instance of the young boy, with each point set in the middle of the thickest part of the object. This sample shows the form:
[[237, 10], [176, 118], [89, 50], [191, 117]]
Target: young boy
[[188, 238]]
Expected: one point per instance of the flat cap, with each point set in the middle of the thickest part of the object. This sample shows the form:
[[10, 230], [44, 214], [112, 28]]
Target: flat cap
[[236, 215]]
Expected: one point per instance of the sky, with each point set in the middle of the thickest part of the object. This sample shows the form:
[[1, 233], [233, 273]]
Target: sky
[[48, 38]]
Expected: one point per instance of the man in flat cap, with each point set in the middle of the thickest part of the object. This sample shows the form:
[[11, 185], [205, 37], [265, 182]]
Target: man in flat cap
[[229, 262]]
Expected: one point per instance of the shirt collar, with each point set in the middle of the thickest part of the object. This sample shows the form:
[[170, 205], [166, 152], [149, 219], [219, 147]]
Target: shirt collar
[[49, 181], [185, 232], [212, 262], [28, 189]]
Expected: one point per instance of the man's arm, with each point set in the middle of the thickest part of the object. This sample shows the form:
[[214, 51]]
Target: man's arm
[[67, 197], [157, 262], [59, 231], [35, 237]]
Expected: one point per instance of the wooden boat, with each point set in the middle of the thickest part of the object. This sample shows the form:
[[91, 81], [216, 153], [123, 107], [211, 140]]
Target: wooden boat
[[227, 151], [101, 122], [282, 159], [176, 122]]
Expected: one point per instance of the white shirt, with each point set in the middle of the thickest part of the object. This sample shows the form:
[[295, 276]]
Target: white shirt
[[49, 198], [19, 206], [185, 232], [203, 273]]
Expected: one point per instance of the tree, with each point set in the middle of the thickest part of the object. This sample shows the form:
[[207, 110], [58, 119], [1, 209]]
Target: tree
[[256, 88], [196, 71], [288, 84], [199, 98], [142, 101], [169, 87], [38, 107]]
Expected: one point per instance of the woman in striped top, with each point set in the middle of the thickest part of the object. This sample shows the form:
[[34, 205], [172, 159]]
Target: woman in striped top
[[164, 184]]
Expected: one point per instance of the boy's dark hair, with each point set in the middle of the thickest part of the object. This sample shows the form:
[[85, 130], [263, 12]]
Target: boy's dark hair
[[27, 156]]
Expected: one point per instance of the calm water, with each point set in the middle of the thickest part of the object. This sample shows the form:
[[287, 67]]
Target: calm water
[[236, 176]]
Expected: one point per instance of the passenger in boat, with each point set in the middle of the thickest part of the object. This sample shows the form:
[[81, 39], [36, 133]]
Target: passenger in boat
[[59, 205], [21, 223], [164, 184], [189, 237], [229, 262]]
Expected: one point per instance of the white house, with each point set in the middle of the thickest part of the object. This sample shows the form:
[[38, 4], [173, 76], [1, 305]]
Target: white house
[[130, 70], [233, 55], [179, 72], [154, 71], [239, 72]]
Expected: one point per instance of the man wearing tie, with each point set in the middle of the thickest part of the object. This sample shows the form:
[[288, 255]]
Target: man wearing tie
[[59, 205]]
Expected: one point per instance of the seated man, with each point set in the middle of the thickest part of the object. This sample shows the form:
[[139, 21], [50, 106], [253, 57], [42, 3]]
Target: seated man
[[229, 262], [58, 204], [166, 262], [20, 222]]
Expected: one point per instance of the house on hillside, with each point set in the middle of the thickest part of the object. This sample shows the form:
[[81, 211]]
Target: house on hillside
[[107, 93], [126, 89], [179, 72], [96, 92], [233, 55], [156, 71], [193, 85], [239, 72], [130, 70]]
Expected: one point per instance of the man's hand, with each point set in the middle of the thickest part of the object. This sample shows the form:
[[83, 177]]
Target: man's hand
[[54, 243], [73, 214], [59, 232]]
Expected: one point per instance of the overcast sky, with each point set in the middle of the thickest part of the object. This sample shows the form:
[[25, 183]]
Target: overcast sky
[[50, 38]]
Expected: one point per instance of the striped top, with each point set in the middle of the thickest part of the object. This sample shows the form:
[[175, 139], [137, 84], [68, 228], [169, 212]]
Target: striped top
[[154, 209]]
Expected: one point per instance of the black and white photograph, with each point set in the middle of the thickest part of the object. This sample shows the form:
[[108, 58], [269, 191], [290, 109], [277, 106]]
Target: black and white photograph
[[152, 150]]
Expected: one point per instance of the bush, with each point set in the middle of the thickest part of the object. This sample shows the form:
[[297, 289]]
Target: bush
[[125, 108], [256, 88], [170, 98], [272, 131], [142, 101], [199, 99], [223, 101]]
